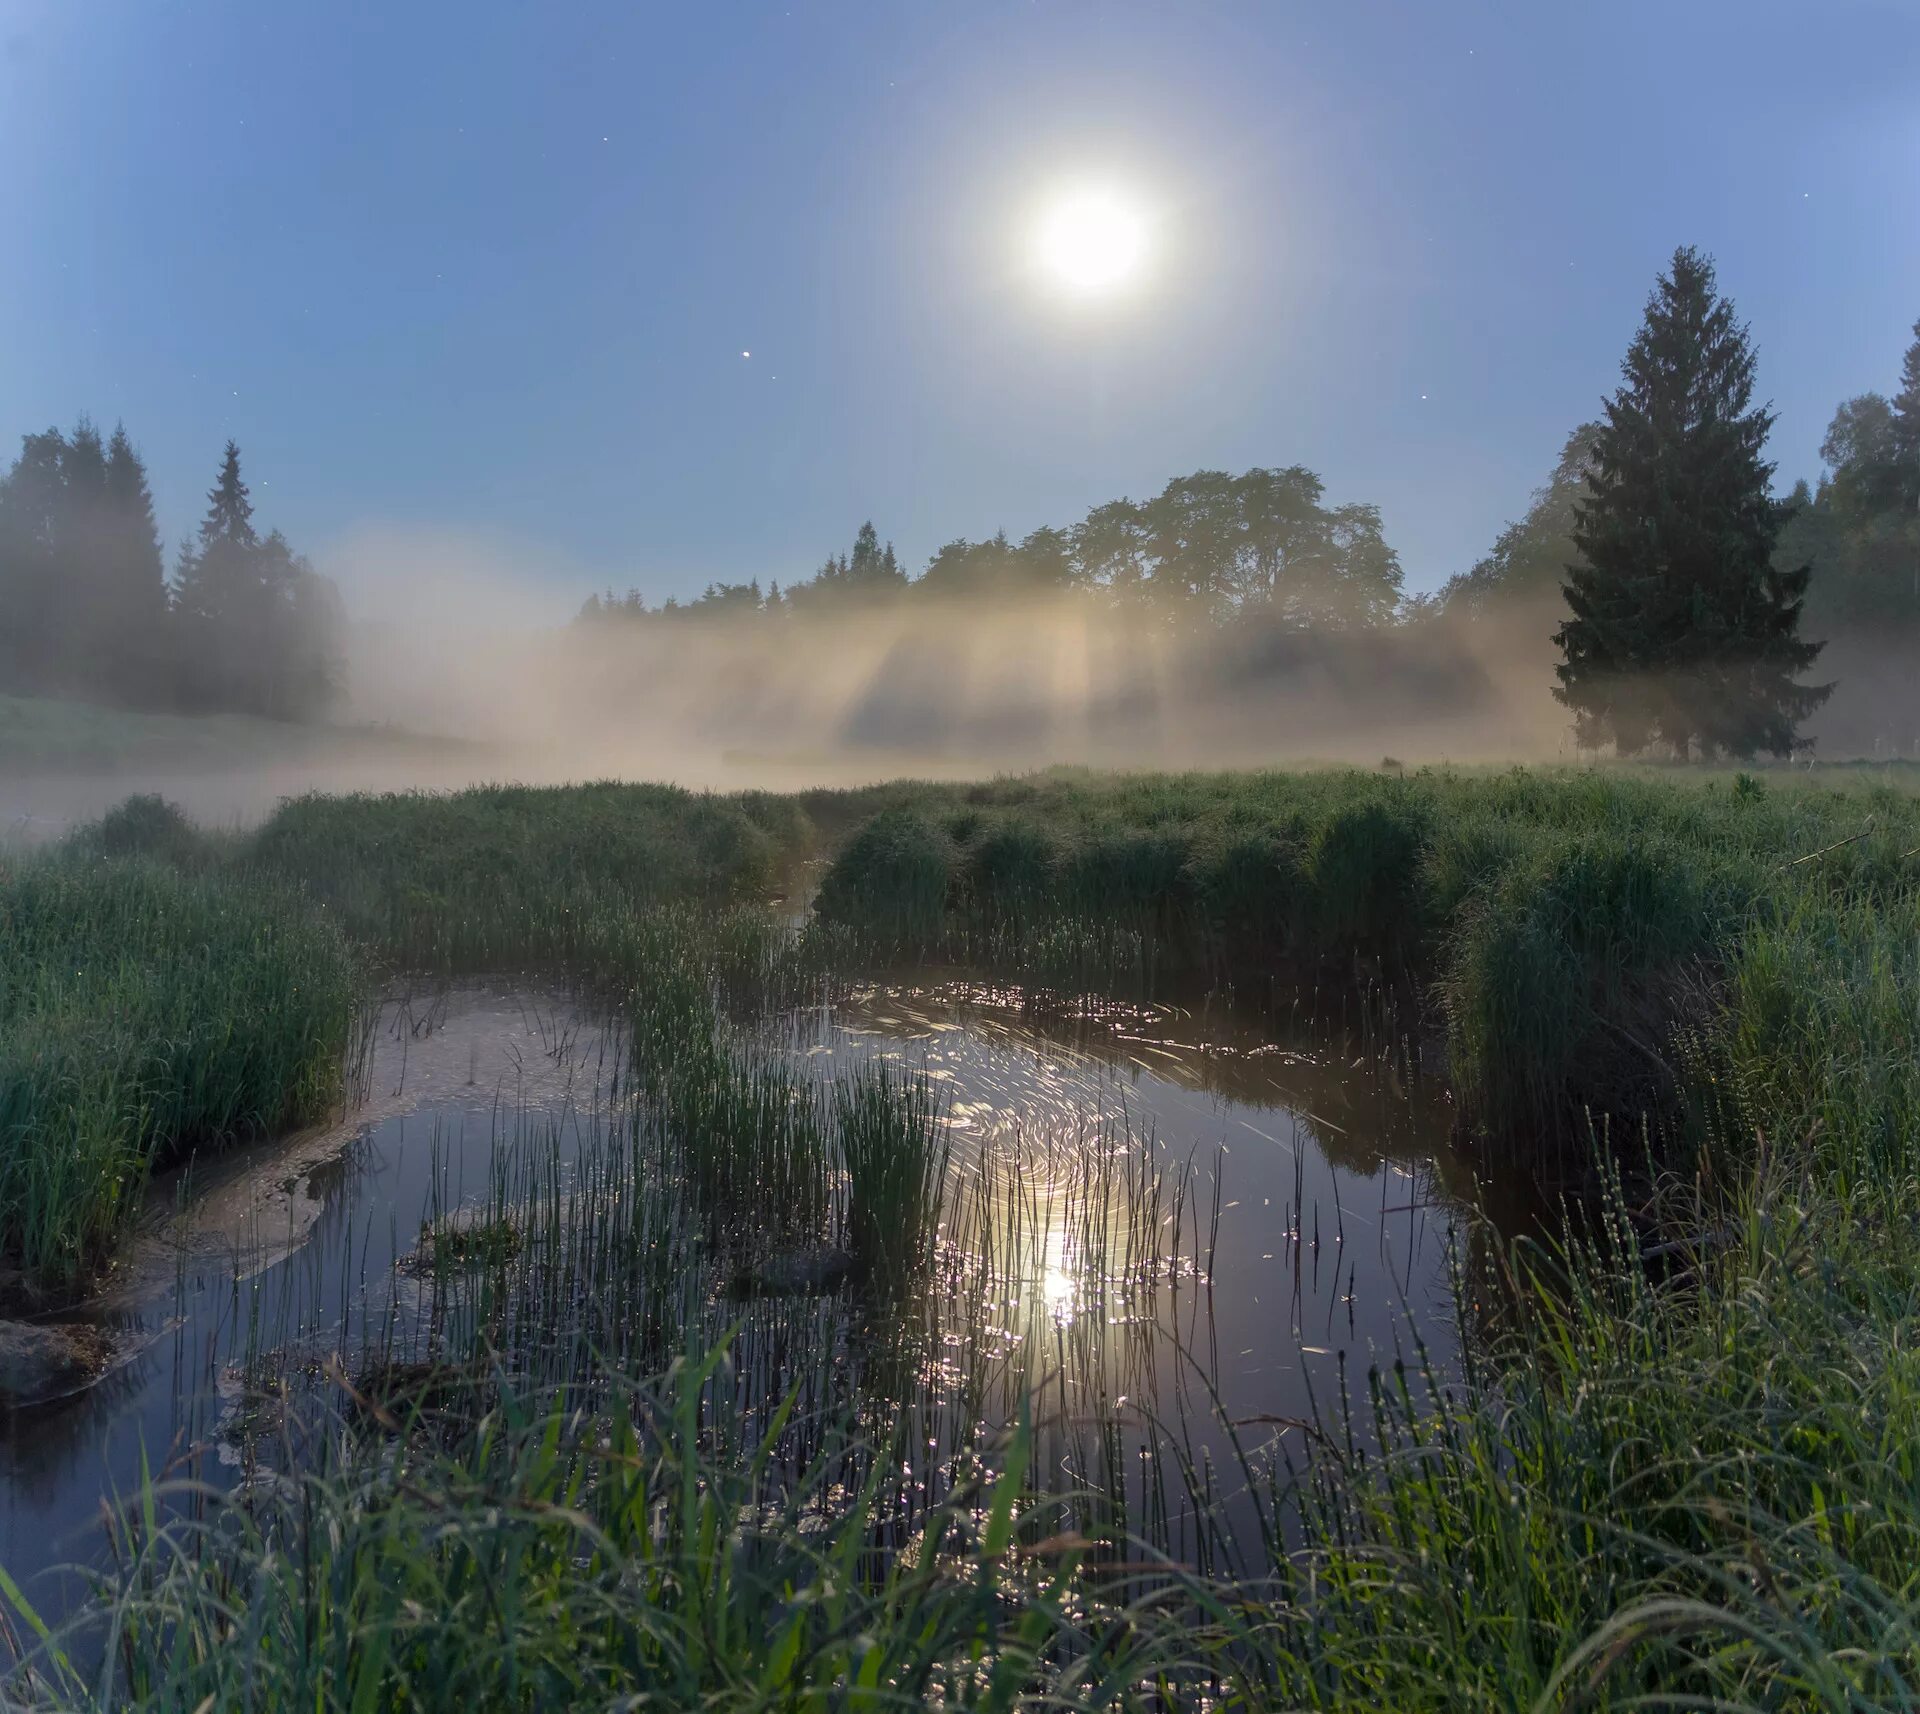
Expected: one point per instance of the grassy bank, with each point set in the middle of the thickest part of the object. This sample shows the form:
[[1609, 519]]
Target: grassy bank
[[1683, 1479], [1582, 939], [522, 877], [1718, 1512], [166, 990], [146, 1013]]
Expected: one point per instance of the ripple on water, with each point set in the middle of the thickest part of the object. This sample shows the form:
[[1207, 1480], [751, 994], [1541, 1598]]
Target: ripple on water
[[1154, 1215]]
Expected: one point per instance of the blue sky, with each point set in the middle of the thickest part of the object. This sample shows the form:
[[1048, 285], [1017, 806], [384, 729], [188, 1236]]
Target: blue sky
[[489, 268]]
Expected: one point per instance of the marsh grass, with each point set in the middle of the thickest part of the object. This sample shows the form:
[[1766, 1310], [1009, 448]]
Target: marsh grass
[[1562, 928], [1699, 1491], [892, 880], [164, 990], [1720, 1514], [636, 1558], [508, 878], [145, 1013], [894, 1151]]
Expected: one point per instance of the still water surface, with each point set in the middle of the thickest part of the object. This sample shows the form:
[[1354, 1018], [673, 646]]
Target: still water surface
[[1155, 1216]]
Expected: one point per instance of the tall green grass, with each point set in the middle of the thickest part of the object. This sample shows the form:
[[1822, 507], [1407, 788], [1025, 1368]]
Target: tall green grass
[[894, 1150], [163, 990], [1720, 1514], [511, 877], [642, 1559], [146, 1013]]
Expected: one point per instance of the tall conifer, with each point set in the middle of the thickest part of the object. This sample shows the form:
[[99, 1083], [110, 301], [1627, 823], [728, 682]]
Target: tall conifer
[[1682, 632]]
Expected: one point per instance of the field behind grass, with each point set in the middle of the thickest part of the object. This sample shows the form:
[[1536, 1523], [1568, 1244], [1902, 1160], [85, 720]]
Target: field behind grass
[[1681, 1471], [43, 735]]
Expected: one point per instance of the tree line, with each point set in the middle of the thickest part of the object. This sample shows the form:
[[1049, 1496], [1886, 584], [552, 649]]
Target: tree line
[[1688, 607], [1208, 548], [1671, 579], [1858, 528], [1685, 603], [87, 609]]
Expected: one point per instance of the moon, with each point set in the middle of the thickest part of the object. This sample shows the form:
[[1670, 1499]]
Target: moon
[[1091, 241]]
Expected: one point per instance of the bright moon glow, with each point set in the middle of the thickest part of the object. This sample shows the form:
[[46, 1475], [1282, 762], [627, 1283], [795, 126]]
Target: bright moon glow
[[1092, 241]]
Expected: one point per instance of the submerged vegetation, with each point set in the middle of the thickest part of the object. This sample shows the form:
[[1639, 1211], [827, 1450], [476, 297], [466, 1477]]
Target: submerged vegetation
[[1677, 1469]]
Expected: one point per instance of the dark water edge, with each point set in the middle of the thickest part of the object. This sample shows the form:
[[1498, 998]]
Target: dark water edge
[[1306, 1203]]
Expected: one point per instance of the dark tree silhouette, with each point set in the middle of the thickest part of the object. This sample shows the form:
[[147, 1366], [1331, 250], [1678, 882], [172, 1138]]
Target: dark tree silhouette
[[1682, 631], [257, 627], [1903, 487], [871, 569], [1209, 548], [1862, 529], [82, 597], [133, 579], [32, 513]]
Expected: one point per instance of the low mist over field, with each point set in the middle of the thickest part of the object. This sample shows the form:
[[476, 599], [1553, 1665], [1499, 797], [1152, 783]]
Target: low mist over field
[[1229, 621], [848, 686]]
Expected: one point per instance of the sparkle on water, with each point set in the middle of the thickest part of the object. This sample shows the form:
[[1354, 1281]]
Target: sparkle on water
[[1189, 1218]]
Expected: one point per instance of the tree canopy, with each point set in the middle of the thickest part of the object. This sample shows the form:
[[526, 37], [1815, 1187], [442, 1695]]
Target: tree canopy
[[1209, 547], [1861, 527], [86, 609], [1528, 564], [1683, 632]]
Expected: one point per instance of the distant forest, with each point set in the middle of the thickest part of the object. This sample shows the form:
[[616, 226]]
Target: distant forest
[[1208, 547], [87, 610], [1261, 578], [1283, 580]]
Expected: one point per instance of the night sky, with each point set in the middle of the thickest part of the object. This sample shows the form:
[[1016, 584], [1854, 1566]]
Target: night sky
[[488, 271]]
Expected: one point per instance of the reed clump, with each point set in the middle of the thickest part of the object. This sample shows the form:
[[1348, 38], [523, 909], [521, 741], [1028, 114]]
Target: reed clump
[[147, 1012], [894, 1150]]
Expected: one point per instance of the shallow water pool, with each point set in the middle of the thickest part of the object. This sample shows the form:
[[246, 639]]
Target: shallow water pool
[[1163, 1228]]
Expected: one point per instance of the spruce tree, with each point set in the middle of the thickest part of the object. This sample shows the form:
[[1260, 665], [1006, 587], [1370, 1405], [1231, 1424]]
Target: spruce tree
[[83, 468], [133, 575], [136, 537], [79, 618], [223, 614], [213, 573], [1682, 632], [229, 506], [864, 567], [31, 501]]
